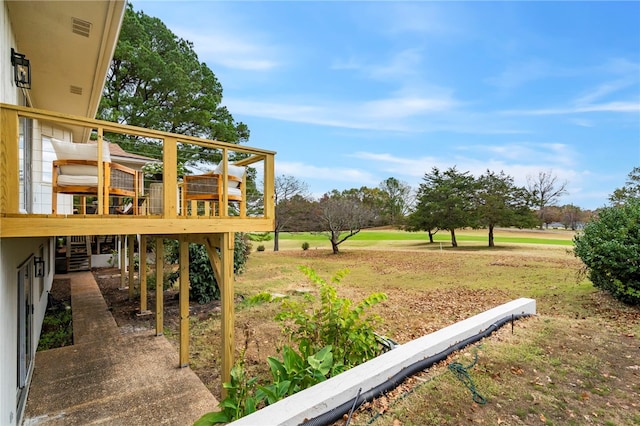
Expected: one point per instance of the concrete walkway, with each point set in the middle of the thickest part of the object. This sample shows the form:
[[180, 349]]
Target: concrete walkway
[[111, 378]]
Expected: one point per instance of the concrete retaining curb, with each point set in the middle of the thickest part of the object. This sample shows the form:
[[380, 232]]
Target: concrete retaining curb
[[329, 394]]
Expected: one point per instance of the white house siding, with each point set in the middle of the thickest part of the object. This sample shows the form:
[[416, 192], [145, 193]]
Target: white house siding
[[8, 92], [13, 253]]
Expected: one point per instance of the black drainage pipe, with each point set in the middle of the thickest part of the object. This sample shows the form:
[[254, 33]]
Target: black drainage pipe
[[394, 381]]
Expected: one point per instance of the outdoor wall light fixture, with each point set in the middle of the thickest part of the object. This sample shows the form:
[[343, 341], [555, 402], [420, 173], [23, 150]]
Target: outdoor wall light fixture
[[21, 69], [38, 264]]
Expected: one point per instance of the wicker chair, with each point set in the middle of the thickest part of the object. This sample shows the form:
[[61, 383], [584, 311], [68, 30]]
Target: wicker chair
[[76, 172], [208, 187]]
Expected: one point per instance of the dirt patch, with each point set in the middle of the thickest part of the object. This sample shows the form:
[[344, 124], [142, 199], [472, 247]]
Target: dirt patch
[[57, 325], [61, 290], [126, 310]]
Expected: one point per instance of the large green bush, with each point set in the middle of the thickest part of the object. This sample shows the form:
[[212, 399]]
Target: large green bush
[[609, 246]]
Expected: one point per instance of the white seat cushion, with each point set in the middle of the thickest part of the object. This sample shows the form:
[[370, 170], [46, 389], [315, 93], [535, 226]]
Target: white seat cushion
[[237, 192], [79, 170], [80, 151], [235, 171], [70, 180]]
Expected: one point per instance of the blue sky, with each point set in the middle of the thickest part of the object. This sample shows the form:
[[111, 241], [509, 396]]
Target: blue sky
[[351, 93]]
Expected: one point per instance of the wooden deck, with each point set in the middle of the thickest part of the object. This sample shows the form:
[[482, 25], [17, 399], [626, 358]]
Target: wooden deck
[[167, 208]]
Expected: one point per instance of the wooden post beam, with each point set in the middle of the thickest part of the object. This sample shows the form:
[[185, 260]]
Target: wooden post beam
[[123, 266], [159, 261], [227, 291], [142, 272], [210, 243], [184, 302], [170, 177], [130, 254], [9, 160]]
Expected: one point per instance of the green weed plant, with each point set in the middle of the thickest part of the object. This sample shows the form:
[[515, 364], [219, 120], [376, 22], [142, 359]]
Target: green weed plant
[[326, 339]]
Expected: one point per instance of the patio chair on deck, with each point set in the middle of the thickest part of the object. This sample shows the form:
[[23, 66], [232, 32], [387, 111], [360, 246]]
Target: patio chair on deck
[[208, 187], [76, 172]]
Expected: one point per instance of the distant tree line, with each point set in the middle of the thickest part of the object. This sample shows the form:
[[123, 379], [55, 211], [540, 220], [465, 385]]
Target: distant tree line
[[445, 200], [339, 214]]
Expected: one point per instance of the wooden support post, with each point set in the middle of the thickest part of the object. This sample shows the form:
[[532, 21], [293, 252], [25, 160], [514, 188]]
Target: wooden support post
[[184, 302], [227, 291], [269, 187], [142, 272], [130, 253], [103, 195], [170, 177], [9, 160], [123, 263], [210, 243], [159, 286]]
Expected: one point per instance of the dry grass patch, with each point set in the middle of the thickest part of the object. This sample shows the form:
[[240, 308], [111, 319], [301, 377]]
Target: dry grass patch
[[574, 364]]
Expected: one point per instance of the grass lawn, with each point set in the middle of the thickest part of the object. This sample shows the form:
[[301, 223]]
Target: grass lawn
[[412, 240], [575, 363]]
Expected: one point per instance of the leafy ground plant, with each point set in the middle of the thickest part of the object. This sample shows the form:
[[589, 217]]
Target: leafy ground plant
[[349, 329], [329, 338]]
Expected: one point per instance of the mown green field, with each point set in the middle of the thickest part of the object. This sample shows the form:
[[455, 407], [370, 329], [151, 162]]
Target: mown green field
[[413, 240]]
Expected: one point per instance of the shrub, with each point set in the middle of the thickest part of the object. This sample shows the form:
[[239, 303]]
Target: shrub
[[240, 400], [57, 326], [305, 246], [290, 374], [260, 248], [336, 323], [349, 331], [202, 283], [264, 236], [257, 299], [609, 246]]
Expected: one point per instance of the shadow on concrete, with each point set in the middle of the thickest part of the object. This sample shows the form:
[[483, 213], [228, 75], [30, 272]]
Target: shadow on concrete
[[108, 377]]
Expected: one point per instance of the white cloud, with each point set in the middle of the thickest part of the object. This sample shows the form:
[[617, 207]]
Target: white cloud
[[381, 114], [420, 18], [309, 171], [402, 64], [623, 107], [516, 75], [582, 122], [238, 50], [547, 157], [606, 89]]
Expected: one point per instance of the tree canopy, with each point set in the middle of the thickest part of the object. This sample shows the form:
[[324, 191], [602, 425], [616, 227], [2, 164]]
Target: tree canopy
[[156, 81], [341, 216], [545, 190], [292, 206], [630, 190], [445, 201], [500, 202], [451, 200], [397, 201]]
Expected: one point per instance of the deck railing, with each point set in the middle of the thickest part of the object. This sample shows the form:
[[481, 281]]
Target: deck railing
[[30, 172]]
